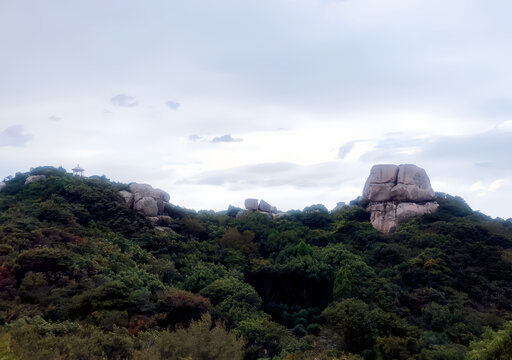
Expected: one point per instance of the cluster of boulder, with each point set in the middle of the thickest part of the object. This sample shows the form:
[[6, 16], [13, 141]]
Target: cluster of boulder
[[260, 206], [142, 197], [396, 194]]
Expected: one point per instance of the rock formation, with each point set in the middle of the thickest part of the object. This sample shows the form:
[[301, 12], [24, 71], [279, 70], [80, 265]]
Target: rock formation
[[35, 178], [144, 198], [262, 207], [251, 204], [396, 194]]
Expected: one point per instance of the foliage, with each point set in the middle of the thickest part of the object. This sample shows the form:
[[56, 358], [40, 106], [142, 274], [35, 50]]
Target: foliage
[[84, 277], [202, 340], [494, 345]]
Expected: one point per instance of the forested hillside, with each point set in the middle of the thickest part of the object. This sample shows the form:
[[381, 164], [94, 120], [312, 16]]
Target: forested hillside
[[84, 277]]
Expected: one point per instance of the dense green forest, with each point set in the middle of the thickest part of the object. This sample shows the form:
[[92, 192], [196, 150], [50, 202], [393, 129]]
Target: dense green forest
[[84, 277]]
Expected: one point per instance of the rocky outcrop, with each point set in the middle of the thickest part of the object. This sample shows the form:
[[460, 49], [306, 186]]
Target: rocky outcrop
[[145, 198], [35, 178], [128, 197], [262, 207], [251, 204], [396, 194], [147, 205]]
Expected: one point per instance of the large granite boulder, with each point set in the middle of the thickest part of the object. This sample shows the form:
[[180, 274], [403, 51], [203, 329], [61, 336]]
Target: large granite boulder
[[386, 216], [147, 205], [251, 204], [144, 198], [128, 197], [35, 178], [396, 194], [405, 182], [264, 206], [146, 190]]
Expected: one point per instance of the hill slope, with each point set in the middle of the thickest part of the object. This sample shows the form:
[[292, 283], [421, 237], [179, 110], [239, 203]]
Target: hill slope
[[83, 277]]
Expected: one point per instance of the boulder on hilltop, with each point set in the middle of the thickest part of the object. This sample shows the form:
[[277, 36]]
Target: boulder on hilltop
[[146, 199], [396, 194], [35, 178]]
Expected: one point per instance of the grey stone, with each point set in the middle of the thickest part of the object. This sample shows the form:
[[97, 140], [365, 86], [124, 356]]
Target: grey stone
[[264, 206], [405, 182], [145, 190], [380, 181], [251, 204], [162, 195], [379, 192], [410, 174], [128, 197], [405, 211], [160, 205], [147, 205], [273, 210], [396, 194], [411, 193], [141, 191], [383, 216], [35, 178], [386, 216], [383, 174]]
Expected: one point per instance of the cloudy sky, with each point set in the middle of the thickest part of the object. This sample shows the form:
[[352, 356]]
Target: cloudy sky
[[289, 101]]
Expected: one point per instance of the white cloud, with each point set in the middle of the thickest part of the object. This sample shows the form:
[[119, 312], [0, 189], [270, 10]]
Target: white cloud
[[496, 185], [226, 138], [14, 136], [173, 105], [123, 100]]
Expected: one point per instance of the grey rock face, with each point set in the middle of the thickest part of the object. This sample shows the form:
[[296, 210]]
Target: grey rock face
[[35, 178], [251, 204], [2, 185], [144, 198], [398, 183], [146, 190], [407, 210], [128, 197], [396, 194], [162, 195], [386, 216], [160, 205], [147, 205], [264, 206]]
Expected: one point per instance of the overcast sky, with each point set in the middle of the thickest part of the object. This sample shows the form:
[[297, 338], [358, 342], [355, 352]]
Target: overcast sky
[[289, 101]]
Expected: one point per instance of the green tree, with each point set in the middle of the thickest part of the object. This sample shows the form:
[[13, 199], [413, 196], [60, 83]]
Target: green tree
[[493, 346], [202, 340]]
